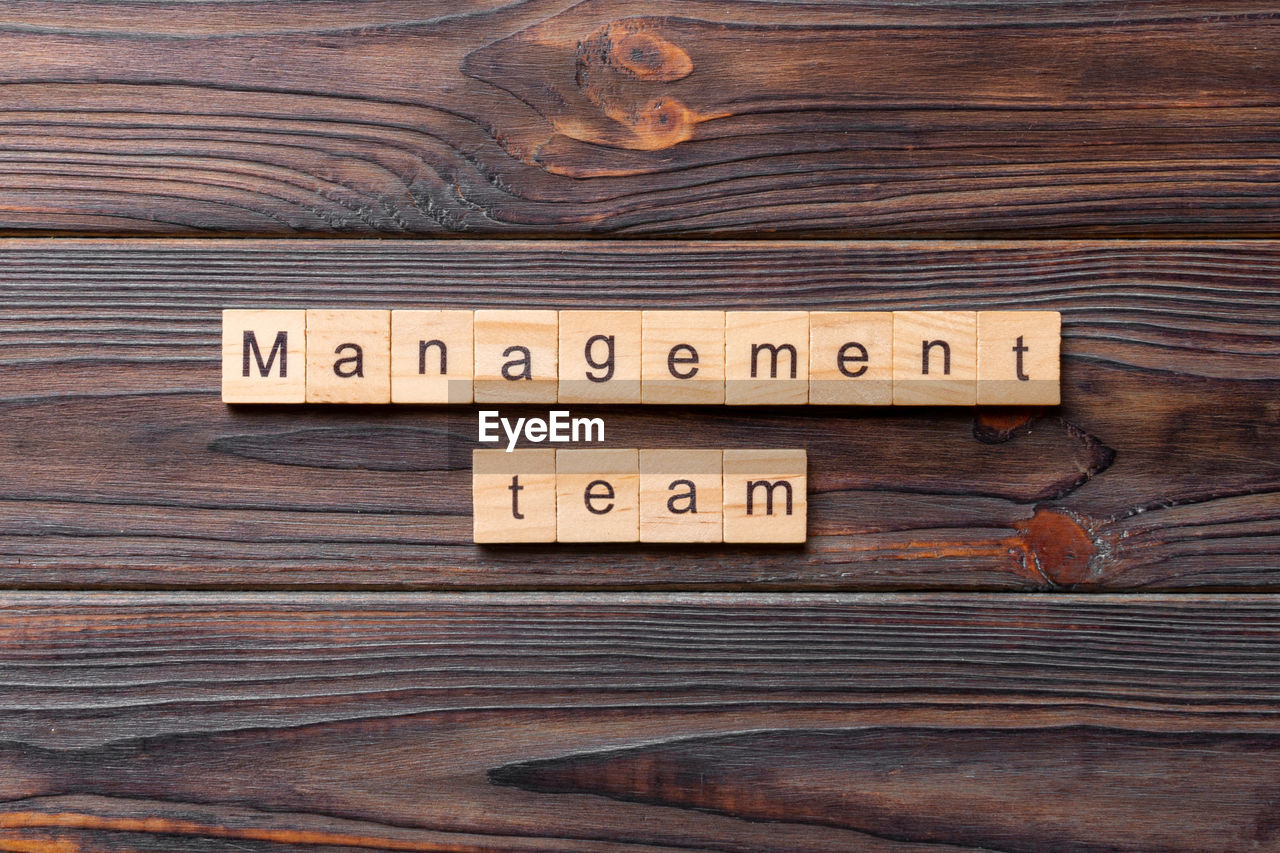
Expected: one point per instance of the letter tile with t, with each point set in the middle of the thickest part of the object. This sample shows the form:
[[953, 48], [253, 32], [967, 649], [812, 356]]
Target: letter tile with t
[[516, 356], [264, 356], [513, 496], [597, 495], [765, 496], [1018, 358], [348, 356]]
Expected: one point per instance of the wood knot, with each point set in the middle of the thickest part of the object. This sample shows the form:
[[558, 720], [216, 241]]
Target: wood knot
[[998, 425], [1059, 545], [647, 56], [658, 124]]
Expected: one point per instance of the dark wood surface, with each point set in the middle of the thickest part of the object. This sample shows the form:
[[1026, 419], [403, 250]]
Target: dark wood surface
[[120, 467], [205, 642], [576, 722], [1067, 117]]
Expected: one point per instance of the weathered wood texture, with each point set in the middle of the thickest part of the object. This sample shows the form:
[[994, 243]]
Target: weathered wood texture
[[602, 116], [119, 466], [574, 722]]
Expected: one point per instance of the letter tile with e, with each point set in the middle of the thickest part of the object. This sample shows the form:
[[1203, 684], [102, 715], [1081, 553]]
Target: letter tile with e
[[598, 495], [683, 357]]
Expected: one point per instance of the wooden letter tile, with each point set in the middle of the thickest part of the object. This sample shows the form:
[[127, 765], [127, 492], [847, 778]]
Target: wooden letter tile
[[683, 357], [432, 359], [264, 356], [1018, 355], [851, 358], [765, 496], [513, 496], [597, 496], [600, 356], [516, 353], [681, 496], [935, 358], [766, 358], [348, 356]]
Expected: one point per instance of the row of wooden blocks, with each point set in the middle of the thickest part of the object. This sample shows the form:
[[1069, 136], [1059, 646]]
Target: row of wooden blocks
[[959, 358], [606, 495]]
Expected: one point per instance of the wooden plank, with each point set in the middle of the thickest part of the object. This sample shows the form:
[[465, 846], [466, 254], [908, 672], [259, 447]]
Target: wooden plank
[[576, 722], [595, 116], [120, 466]]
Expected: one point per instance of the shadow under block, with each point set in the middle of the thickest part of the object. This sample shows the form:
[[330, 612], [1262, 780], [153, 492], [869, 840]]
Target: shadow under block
[[1019, 358], [766, 359], [597, 495], [264, 356], [432, 356], [681, 496], [683, 357], [516, 356], [348, 356], [513, 496], [765, 496], [600, 356], [851, 358], [935, 358]]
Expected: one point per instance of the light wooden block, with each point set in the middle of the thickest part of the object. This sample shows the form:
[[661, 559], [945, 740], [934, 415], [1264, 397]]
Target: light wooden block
[[683, 357], [264, 356], [600, 356], [513, 496], [766, 358], [1018, 358], [432, 357], [935, 358], [348, 356], [681, 496], [516, 355], [765, 496], [851, 358], [597, 496]]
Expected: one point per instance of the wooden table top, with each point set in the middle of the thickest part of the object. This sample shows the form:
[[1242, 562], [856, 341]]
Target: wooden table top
[[266, 628]]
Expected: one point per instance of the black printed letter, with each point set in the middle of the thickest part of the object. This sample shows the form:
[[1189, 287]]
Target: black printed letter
[[946, 357], [356, 361], [281, 346], [423, 346], [589, 494], [606, 365], [525, 362]]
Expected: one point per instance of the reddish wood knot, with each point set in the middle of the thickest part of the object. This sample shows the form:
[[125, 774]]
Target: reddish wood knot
[[1060, 545], [648, 56]]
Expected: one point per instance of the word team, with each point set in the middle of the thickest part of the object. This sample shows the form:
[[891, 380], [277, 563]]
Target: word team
[[616, 495], [694, 357]]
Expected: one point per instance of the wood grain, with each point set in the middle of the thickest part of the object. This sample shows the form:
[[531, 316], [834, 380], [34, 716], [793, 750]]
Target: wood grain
[[612, 116], [119, 466], [575, 722]]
